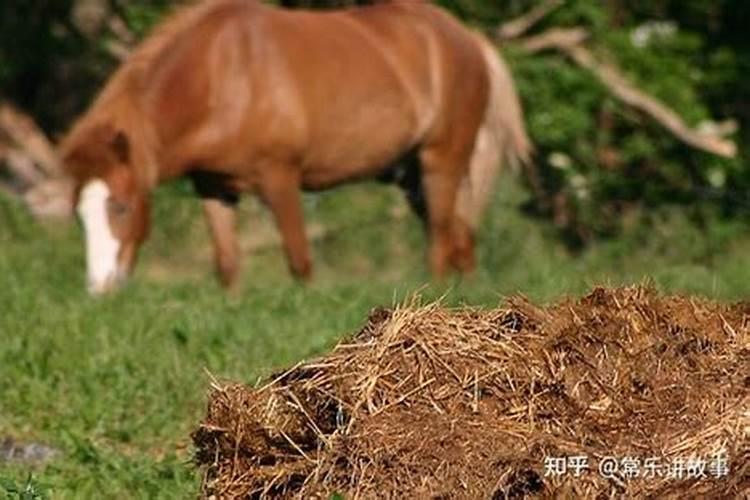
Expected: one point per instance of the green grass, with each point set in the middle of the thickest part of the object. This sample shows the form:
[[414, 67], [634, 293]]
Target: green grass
[[117, 384]]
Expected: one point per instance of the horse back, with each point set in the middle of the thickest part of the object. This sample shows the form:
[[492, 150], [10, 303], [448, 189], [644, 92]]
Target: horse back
[[372, 83], [342, 94]]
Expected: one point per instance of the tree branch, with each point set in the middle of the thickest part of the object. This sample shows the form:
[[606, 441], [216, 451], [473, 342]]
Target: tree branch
[[21, 166], [52, 198], [520, 25], [570, 43], [124, 39], [555, 38], [32, 162], [89, 16], [23, 131]]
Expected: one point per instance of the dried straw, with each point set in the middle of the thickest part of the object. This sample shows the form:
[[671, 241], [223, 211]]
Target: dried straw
[[426, 402]]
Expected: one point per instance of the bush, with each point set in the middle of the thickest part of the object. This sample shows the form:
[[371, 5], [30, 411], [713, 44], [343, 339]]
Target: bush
[[599, 159]]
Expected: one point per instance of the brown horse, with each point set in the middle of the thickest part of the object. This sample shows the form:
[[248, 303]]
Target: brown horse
[[241, 96]]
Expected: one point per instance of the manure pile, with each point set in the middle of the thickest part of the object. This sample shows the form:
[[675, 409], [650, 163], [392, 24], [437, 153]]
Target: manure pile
[[624, 393]]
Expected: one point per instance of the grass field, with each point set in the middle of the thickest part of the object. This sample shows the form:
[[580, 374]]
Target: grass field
[[117, 384]]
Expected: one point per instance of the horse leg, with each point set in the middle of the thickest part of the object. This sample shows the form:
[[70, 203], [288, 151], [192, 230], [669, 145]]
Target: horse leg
[[462, 258], [281, 192], [407, 175], [221, 216], [441, 174]]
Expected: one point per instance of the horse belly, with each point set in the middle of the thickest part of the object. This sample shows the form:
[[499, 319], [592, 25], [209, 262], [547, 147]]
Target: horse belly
[[359, 148], [360, 130]]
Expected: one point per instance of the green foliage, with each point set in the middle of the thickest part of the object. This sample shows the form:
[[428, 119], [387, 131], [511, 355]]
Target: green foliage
[[142, 16], [605, 159], [29, 490]]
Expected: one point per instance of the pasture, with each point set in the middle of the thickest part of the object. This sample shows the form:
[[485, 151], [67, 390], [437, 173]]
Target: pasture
[[117, 384]]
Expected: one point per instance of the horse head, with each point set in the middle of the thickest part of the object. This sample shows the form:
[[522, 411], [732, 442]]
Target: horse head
[[111, 201]]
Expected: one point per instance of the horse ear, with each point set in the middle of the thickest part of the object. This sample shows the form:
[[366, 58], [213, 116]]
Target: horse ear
[[121, 146], [113, 139]]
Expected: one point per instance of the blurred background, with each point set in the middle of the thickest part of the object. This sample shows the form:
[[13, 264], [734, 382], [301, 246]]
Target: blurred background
[[639, 111], [599, 160]]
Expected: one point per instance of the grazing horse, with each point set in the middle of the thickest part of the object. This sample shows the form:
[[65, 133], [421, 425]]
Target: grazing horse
[[246, 97]]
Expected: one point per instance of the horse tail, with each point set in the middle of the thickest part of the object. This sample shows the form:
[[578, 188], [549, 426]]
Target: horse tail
[[501, 138]]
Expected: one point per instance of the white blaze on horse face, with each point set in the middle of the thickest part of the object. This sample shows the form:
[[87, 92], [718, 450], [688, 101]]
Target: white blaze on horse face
[[102, 248]]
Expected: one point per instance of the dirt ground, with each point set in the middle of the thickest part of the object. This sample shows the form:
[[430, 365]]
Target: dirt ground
[[623, 393]]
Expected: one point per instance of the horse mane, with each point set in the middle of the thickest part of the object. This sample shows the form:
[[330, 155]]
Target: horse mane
[[117, 106]]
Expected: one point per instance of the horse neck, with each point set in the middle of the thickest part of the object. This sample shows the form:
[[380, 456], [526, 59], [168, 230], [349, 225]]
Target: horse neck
[[144, 151], [126, 114]]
